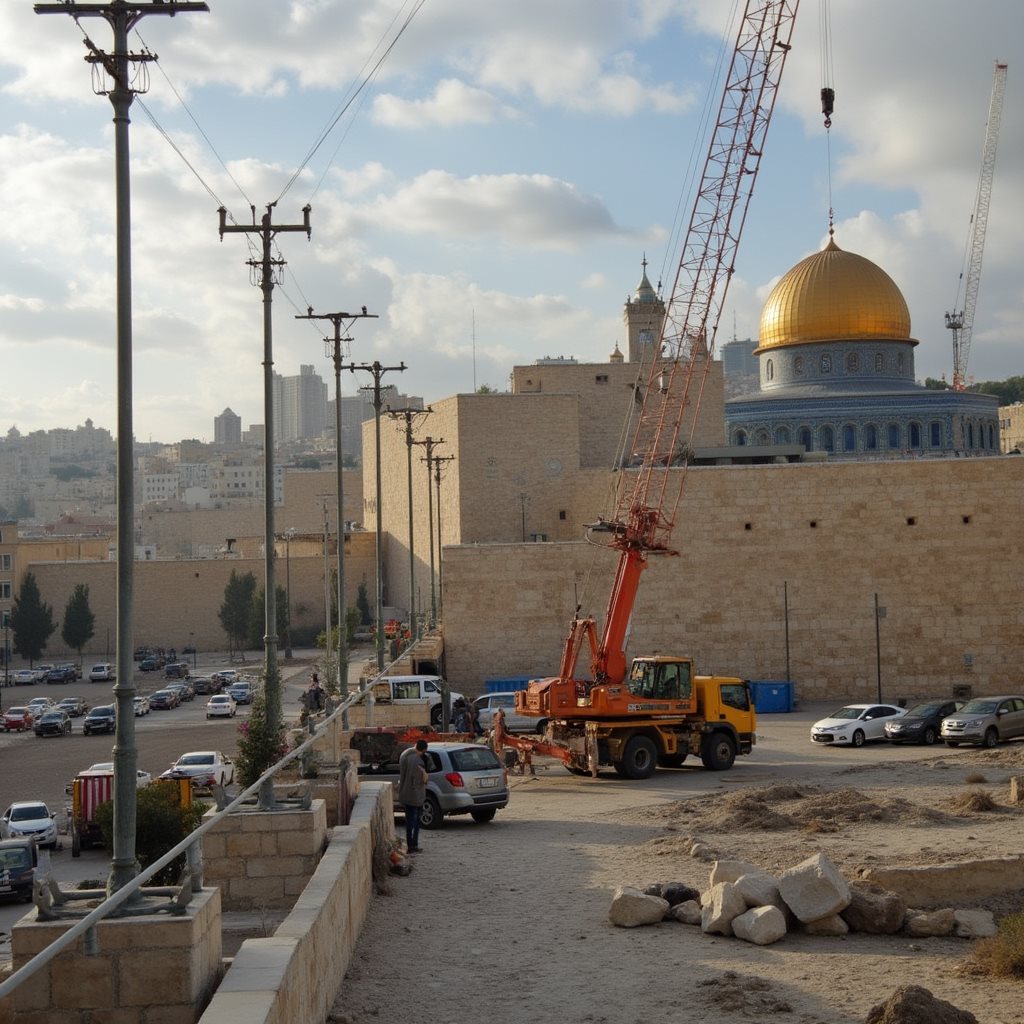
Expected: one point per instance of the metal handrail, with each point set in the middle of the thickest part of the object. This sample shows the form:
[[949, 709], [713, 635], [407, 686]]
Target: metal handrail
[[112, 902]]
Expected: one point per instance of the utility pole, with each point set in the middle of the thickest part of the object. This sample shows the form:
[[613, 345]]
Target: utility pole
[[438, 459], [122, 17], [378, 372], [408, 417], [334, 353], [430, 443], [264, 269]]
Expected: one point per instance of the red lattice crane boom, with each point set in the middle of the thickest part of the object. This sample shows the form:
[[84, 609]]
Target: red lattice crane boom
[[645, 511]]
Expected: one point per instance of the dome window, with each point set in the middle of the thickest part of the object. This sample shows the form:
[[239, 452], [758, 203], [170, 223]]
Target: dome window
[[935, 434], [915, 435], [798, 364], [826, 364], [782, 435], [853, 363], [803, 437], [741, 437], [828, 439], [871, 438], [893, 431], [769, 370], [879, 362], [849, 438], [899, 362]]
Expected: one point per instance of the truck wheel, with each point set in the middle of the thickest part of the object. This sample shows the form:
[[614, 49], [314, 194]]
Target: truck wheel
[[671, 760], [541, 726], [76, 843], [718, 751], [430, 815], [640, 758], [484, 816]]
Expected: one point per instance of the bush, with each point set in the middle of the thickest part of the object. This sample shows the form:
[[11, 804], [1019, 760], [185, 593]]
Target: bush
[[971, 801], [160, 823], [1002, 955], [259, 745]]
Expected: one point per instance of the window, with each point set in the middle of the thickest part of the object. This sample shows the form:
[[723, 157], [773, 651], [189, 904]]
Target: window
[[803, 436], [601, 378], [871, 438], [741, 437], [852, 363], [782, 435], [761, 437], [769, 370], [915, 435], [893, 431], [899, 362], [5, 591], [849, 438], [826, 364], [879, 362], [5, 563], [828, 439], [798, 364], [970, 435], [935, 434], [735, 695], [660, 680]]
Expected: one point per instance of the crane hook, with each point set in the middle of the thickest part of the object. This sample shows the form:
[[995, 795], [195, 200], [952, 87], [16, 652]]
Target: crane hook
[[828, 99]]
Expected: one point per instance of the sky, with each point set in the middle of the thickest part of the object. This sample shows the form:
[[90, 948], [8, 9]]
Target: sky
[[489, 194]]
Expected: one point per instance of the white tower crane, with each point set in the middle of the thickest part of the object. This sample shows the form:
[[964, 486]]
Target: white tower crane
[[961, 322]]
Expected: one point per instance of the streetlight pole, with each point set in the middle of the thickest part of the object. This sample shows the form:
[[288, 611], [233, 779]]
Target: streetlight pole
[[430, 443], [122, 18], [378, 371], [288, 591], [334, 353]]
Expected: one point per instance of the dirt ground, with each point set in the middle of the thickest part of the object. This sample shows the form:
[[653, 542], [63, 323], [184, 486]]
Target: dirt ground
[[509, 921]]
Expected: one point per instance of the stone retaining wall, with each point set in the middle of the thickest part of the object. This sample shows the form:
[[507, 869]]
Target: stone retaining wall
[[941, 885], [294, 975]]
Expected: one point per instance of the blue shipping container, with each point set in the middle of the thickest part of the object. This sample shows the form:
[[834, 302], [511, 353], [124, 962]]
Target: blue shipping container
[[772, 696], [507, 684]]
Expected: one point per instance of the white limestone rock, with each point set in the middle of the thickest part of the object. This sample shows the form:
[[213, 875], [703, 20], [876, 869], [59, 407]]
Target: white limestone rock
[[974, 924], [631, 908], [759, 889], [688, 912], [730, 870], [814, 889], [760, 925], [832, 926], [724, 903], [922, 924]]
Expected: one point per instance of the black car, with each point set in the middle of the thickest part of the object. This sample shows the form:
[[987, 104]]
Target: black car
[[101, 719], [55, 722], [921, 724], [74, 706], [205, 685], [61, 674]]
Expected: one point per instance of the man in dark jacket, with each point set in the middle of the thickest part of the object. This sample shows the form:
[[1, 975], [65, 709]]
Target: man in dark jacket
[[412, 791]]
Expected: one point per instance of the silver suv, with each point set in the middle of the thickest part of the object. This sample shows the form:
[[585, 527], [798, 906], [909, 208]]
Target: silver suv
[[985, 720], [464, 778]]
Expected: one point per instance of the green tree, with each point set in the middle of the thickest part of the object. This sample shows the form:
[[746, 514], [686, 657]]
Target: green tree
[[31, 620], [160, 823], [79, 622], [236, 610], [259, 744], [258, 614], [363, 604]]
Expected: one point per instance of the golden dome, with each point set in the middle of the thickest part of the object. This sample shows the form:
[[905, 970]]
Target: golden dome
[[834, 296]]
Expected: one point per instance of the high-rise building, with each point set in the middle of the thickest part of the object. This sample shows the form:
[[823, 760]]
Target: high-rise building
[[227, 428], [300, 405]]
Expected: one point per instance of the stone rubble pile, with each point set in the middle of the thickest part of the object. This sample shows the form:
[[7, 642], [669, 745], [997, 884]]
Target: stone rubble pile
[[813, 897]]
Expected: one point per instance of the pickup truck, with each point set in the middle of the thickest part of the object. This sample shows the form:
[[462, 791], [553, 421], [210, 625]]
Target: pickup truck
[[413, 689]]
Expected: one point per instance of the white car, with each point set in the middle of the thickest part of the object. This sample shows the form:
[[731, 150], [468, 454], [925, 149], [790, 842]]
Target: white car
[[24, 677], [487, 707], [204, 767], [240, 692], [855, 724], [30, 819], [221, 705], [141, 706], [37, 705], [141, 778], [101, 673]]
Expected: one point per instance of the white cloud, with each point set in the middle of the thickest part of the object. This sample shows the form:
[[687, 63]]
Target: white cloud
[[453, 103]]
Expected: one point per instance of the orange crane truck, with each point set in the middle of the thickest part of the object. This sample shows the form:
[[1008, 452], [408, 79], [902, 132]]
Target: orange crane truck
[[655, 711]]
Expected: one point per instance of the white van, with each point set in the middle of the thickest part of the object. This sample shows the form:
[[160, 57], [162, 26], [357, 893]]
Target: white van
[[407, 689]]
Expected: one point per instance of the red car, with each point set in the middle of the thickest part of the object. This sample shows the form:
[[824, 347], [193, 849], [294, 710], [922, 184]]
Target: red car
[[17, 719]]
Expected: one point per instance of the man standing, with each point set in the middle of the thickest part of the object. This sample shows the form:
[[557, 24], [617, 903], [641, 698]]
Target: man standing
[[412, 791]]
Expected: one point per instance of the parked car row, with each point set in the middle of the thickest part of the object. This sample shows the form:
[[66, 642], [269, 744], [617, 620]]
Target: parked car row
[[65, 672], [985, 721]]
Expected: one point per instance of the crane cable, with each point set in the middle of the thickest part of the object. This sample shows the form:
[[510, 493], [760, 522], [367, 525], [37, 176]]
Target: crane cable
[[828, 94]]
